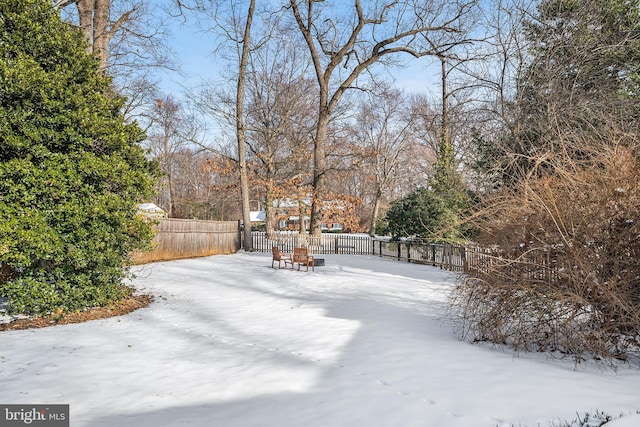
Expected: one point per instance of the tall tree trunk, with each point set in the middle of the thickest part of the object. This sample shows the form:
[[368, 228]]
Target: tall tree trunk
[[445, 113], [172, 196], [168, 159], [101, 35], [85, 17], [240, 130], [269, 211], [319, 169], [376, 211], [93, 16], [269, 215]]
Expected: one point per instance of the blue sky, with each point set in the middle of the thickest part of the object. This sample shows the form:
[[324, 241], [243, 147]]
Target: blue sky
[[193, 49]]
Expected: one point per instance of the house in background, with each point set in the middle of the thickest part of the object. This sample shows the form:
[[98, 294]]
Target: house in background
[[334, 227], [257, 216], [151, 211], [257, 219], [287, 216], [287, 213]]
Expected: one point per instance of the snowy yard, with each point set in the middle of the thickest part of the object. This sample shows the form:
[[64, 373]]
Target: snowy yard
[[229, 341]]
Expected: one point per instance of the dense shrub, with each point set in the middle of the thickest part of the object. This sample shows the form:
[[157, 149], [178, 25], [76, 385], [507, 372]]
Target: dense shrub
[[71, 172], [582, 224], [419, 214], [427, 214]]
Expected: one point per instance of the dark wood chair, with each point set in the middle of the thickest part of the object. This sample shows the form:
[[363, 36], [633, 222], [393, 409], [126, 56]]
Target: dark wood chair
[[301, 257], [280, 257]]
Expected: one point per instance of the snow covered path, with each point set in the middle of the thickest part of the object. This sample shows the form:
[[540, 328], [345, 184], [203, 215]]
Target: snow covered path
[[359, 342]]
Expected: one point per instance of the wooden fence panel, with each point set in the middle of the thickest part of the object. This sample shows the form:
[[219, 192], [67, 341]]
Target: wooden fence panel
[[185, 238]]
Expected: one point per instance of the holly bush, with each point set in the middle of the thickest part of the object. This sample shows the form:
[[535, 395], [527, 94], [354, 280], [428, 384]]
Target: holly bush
[[71, 169]]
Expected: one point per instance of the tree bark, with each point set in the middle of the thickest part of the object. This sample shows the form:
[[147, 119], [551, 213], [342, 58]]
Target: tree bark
[[319, 169], [85, 17], [94, 18], [375, 212], [101, 34], [269, 215]]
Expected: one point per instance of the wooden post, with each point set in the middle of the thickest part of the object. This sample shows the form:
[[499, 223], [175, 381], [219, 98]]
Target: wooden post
[[463, 255], [548, 267]]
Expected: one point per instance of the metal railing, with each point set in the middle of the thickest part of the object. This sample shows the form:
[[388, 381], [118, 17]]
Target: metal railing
[[353, 244], [446, 256], [459, 258]]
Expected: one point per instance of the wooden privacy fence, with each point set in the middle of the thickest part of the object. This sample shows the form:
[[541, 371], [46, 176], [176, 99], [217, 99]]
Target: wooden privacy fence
[[189, 238]]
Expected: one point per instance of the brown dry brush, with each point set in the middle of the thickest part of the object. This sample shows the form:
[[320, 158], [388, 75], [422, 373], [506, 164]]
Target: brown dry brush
[[563, 271]]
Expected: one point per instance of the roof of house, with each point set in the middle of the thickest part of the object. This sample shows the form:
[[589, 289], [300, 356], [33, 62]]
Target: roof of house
[[150, 208], [257, 216]]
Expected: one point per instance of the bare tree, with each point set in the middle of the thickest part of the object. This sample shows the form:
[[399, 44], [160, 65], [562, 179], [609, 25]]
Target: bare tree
[[129, 39], [478, 89], [344, 43], [102, 20], [166, 141], [230, 20], [240, 130], [280, 121], [383, 131]]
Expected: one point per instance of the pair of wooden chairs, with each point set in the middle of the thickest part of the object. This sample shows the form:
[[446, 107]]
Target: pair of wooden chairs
[[300, 256]]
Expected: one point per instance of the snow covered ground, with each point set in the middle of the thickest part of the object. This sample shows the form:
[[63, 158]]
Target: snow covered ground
[[362, 341]]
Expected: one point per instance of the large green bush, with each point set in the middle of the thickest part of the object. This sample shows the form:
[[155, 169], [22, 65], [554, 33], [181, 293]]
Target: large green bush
[[71, 169], [423, 214]]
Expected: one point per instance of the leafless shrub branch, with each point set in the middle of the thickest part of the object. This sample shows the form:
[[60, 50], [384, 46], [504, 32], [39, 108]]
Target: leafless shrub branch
[[563, 274]]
